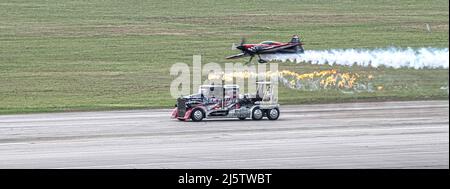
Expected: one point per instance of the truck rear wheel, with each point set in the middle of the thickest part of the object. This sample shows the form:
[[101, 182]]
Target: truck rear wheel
[[273, 114], [257, 114]]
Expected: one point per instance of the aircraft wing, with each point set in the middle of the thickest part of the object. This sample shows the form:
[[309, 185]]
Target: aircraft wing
[[240, 55], [277, 48]]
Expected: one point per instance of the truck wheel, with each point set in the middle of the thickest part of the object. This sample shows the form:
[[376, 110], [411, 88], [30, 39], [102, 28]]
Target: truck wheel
[[197, 115], [257, 114], [273, 114]]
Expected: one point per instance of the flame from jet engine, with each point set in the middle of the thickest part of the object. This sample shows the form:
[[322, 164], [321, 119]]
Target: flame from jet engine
[[317, 80], [390, 57], [324, 79]]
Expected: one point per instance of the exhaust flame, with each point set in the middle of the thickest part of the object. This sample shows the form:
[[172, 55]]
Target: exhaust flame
[[328, 79], [391, 57], [317, 80]]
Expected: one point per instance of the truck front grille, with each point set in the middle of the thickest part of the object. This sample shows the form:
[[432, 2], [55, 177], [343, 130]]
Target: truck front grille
[[181, 107]]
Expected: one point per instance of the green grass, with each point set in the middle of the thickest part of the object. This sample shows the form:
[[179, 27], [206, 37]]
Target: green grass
[[61, 55]]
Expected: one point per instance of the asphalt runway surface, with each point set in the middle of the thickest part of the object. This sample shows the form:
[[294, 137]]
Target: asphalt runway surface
[[352, 135]]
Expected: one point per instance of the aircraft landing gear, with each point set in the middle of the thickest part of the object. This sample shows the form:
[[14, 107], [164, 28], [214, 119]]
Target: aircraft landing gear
[[251, 57], [261, 60]]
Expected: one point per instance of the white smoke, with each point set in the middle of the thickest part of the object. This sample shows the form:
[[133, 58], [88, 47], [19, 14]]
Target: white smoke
[[390, 57]]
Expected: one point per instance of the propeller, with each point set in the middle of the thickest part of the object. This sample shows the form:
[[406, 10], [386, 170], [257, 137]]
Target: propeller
[[240, 46], [233, 46], [242, 41]]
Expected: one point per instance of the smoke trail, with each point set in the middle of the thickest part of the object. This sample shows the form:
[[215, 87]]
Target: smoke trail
[[390, 57]]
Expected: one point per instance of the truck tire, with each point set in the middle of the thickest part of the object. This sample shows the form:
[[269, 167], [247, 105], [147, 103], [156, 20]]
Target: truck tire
[[197, 115], [273, 114], [257, 114]]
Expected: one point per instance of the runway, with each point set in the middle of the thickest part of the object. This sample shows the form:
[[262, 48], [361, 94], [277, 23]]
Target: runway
[[411, 134]]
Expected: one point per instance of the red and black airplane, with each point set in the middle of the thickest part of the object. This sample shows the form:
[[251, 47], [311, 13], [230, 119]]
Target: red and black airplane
[[295, 46]]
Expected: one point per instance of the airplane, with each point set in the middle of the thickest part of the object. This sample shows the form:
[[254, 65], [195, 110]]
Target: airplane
[[295, 46]]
